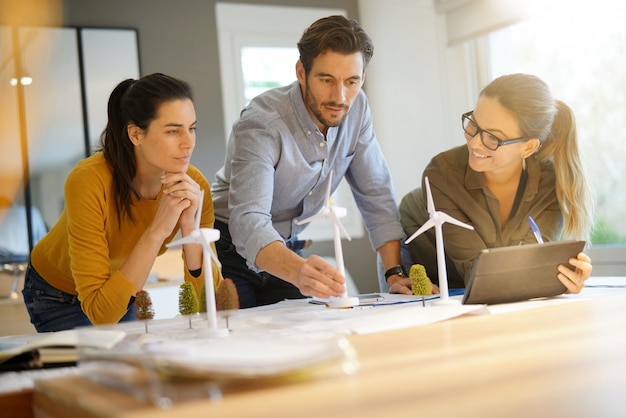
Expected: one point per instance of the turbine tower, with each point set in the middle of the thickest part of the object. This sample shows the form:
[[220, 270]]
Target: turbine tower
[[204, 237], [437, 219], [333, 213]]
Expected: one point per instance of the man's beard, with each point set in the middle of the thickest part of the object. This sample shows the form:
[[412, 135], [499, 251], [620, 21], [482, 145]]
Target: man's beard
[[316, 109]]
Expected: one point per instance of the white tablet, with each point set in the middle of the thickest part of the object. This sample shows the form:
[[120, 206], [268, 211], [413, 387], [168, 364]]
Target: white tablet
[[522, 272]]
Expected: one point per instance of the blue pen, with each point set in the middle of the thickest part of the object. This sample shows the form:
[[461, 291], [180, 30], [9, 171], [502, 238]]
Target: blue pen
[[535, 229]]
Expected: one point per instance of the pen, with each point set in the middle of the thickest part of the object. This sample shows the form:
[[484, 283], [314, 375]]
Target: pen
[[535, 229]]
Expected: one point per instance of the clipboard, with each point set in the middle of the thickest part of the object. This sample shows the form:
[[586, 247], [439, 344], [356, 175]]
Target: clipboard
[[517, 273]]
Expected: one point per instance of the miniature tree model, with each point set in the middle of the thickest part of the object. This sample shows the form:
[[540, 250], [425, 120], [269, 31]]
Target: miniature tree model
[[202, 300], [143, 307], [420, 282], [188, 300], [226, 297]]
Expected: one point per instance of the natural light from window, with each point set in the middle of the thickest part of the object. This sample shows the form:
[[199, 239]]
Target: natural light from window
[[267, 67]]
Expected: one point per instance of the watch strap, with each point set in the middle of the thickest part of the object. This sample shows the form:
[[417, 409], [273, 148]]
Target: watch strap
[[399, 270]]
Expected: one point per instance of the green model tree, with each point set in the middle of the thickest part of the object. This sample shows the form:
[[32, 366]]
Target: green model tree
[[420, 282], [143, 307], [203, 298], [188, 300]]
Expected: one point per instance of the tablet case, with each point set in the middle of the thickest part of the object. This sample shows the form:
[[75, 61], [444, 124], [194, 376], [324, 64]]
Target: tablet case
[[522, 272]]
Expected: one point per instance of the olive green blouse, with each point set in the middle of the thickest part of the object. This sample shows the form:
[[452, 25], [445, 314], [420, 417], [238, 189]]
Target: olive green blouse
[[463, 194]]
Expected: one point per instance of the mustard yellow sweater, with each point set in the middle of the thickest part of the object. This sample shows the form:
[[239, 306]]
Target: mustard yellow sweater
[[83, 251]]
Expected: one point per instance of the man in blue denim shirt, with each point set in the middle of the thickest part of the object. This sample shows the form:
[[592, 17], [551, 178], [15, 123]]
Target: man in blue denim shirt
[[279, 158]]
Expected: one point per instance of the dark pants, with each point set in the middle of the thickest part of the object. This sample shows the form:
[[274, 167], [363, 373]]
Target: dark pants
[[51, 309], [255, 289]]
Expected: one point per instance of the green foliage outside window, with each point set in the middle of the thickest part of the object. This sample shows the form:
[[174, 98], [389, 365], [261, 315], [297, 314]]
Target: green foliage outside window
[[605, 233]]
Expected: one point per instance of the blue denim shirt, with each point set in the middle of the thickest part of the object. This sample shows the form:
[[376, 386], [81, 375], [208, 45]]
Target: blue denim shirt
[[277, 169]]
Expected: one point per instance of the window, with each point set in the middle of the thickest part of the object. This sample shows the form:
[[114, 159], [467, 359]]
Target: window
[[581, 53], [265, 68]]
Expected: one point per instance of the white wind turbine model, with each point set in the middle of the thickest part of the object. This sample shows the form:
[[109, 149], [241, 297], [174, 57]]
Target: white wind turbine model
[[437, 219], [204, 237], [333, 213]]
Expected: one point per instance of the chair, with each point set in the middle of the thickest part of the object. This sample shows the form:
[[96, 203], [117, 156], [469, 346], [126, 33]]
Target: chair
[[15, 269], [14, 245]]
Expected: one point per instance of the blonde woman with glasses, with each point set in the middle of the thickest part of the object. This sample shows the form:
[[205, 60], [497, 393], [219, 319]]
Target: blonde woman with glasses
[[521, 159]]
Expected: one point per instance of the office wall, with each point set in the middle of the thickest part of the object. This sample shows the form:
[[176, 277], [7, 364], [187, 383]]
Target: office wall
[[417, 85]]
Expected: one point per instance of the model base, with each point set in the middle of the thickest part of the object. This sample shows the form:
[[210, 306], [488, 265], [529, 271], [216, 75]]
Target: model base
[[446, 302], [343, 302], [218, 332]]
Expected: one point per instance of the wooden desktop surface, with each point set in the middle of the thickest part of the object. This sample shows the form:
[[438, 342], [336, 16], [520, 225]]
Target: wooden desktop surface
[[567, 360]]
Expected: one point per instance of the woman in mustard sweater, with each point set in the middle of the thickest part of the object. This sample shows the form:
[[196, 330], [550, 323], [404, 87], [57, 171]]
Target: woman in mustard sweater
[[122, 205]]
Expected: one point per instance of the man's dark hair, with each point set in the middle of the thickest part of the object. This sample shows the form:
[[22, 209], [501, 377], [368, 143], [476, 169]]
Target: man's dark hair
[[334, 33]]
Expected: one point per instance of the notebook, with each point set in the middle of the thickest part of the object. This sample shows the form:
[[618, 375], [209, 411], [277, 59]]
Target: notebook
[[521, 272], [53, 349]]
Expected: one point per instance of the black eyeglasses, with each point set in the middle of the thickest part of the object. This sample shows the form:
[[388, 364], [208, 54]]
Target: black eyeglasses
[[488, 139]]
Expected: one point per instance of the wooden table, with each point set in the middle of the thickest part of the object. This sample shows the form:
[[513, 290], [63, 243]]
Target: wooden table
[[567, 360]]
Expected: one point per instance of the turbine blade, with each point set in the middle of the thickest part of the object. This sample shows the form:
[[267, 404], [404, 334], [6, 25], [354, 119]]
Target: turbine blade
[[429, 224], [330, 183], [339, 211], [185, 240], [429, 197], [207, 238], [210, 234], [341, 227], [199, 211], [450, 219], [214, 257], [309, 219]]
